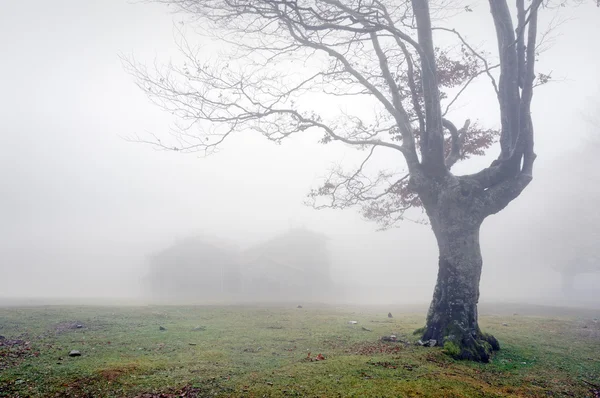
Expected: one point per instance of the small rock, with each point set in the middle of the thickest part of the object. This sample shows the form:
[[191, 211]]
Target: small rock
[[199, 328], [390, 315], [352, 322], [79, 326], [299, 306], [391, 338], [366, 329], [584, 326], [74, 353], [428, 343], [505, 324], [162, 328], [192, 343]]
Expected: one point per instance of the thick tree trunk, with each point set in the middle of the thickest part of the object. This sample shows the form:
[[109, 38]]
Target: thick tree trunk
[[452, 317], [456, 209]]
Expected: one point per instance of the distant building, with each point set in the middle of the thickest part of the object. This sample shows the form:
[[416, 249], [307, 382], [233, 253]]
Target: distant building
[[293, 265], [194, 269]]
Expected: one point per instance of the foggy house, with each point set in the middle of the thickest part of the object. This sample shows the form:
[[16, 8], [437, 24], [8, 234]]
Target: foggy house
[[293, 265], [194, 269]]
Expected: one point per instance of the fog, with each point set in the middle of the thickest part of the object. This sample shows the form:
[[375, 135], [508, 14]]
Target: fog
[[82, 209]]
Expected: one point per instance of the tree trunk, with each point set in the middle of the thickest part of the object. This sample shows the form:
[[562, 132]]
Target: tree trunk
[[452, 316], [456, 214]]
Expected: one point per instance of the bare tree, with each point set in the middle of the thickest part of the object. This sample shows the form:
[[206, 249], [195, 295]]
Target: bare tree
[[281, 57]]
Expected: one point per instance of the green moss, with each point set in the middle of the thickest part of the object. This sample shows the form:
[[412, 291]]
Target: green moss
[[419, 331], [451, 349], [475, 350], [491, 340]]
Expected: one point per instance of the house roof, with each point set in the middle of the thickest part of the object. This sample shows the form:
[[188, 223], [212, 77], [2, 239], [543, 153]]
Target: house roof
[[293, 236]]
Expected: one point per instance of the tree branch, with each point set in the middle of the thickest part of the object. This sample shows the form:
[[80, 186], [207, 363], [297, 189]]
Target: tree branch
[[487, 68], [508, 87], [456, 137], [500, 195], [432, 142]]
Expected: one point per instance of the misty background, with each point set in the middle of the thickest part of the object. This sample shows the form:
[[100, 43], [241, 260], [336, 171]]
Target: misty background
[[81, 208]]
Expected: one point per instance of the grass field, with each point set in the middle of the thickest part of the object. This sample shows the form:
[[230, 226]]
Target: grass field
[[236, 351]]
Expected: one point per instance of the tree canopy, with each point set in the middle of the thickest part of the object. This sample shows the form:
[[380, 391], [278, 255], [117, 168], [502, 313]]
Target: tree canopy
[[380, 53]]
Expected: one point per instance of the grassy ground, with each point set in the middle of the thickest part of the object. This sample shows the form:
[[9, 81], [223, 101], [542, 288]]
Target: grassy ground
[[262, 352]]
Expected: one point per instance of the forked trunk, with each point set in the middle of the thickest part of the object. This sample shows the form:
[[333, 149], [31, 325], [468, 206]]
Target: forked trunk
[[452, 317]]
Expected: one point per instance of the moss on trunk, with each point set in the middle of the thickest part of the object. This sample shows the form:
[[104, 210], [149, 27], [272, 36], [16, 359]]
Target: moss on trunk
[[452, 317]]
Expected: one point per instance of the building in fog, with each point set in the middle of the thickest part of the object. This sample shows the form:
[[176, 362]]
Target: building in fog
[[194, 269], [293, 265]]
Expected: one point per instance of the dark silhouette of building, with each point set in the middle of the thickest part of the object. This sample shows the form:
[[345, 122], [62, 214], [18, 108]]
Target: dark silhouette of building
[[194, 269], [293, 265]]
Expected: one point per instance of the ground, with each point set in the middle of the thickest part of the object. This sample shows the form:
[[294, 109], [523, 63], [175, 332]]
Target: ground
[[263, 351]]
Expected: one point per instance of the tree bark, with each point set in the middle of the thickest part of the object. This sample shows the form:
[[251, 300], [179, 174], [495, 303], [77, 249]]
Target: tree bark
[[456, 216]]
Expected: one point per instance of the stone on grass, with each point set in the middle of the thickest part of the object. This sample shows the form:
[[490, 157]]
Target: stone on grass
[[427, 343], [74, 353]]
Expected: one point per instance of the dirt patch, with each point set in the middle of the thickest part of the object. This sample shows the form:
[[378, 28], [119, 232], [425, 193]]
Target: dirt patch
[[594, 389], [14, 352], [188, 392], [209, 388], [112, 374], [375, 348], [384, 364], [68, 326], [84, 387]]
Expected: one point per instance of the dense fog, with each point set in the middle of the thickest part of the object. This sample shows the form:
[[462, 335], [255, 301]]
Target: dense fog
[[87, 215]]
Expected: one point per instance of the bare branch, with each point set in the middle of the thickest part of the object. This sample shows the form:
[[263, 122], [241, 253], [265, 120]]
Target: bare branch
[[487, 68], [466, 85]]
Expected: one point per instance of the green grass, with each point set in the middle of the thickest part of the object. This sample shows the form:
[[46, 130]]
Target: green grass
[[261, 351]]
